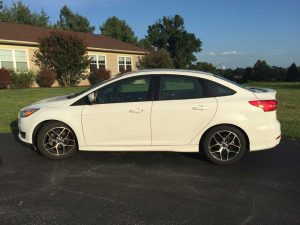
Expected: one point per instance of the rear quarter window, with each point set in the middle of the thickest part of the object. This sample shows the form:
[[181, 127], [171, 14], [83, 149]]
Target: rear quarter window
[[219, 90]]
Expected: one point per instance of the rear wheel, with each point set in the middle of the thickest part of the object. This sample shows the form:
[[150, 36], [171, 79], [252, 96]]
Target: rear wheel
[[56, 140], [224, 144]]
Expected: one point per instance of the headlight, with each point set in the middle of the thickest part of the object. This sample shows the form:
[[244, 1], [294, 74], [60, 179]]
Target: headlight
[[28, 112]]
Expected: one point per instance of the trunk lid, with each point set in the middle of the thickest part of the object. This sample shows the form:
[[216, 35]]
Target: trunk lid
[[263, 93]]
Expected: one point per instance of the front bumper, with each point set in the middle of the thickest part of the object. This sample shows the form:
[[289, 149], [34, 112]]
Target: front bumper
[[26, 128]]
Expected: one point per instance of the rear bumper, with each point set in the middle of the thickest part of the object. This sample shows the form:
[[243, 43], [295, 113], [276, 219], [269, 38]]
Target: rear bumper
[[265, 137]]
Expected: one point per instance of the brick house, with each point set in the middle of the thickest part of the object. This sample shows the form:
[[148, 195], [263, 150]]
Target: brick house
[[18, 42]]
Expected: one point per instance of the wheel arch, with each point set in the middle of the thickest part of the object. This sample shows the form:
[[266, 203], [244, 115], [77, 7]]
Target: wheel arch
[[42, 123], [225, 124]]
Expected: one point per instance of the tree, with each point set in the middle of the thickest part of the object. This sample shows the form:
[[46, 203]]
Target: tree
[[292, 73], [145, 43], [20, 13], [118, 29], [262, 71], [248, 75], [228, 73], [169, 33], [73, 21], [203, 66], [64, 54], [156, 59], [278, 73]]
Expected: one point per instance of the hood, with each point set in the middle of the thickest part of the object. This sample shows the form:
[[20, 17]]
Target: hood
[[51, 102]]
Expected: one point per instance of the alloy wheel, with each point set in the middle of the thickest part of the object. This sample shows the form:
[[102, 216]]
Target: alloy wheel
[[59, 141], [224, 145]]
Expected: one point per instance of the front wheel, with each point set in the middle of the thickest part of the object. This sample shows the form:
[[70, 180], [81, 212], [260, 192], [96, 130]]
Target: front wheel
[[224, 144], [56, 140]]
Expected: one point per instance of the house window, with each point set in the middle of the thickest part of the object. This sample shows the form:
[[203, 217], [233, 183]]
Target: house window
[[21, 61], [97, 62], [13, 60], [101, 61], [6, 59], [125, 64]]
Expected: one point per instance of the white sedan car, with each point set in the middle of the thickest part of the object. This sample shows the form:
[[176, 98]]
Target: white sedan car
[[156, 110]]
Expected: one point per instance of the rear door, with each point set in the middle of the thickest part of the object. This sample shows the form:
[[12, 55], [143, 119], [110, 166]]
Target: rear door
[[184, 107]]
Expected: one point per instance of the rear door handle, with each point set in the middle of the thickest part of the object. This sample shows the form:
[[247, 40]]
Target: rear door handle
[[200, 107], [137, 110]]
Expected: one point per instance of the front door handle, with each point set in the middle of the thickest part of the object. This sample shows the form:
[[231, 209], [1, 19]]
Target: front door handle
[[136, 110], [200, 107]]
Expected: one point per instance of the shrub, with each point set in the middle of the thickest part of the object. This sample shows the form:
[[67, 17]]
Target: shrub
[[5, 78], [22, 79], [45, 77], [125, 71], [66, 54], [99, 75]]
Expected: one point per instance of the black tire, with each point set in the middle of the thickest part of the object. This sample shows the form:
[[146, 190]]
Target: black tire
[[224, 144], [56, 140]]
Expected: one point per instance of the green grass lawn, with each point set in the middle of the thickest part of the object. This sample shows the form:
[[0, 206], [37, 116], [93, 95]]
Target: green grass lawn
[[288, 95], [12, 100]]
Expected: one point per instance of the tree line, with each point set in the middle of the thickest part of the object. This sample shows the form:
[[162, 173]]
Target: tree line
[[169, 44], [260, 71]]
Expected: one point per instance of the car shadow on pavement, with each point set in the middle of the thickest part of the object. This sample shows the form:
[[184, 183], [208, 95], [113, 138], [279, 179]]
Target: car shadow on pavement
[[196, 155]]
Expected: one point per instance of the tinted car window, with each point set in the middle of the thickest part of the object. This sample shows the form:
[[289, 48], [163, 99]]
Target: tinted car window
[[134, 89], [219, 89], [180, 87]]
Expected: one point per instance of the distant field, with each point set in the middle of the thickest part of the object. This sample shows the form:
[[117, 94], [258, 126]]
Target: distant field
[[288, 95], [13, 100]]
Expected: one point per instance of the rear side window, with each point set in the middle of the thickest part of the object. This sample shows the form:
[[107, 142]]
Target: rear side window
[[180, 87], [219, 90]]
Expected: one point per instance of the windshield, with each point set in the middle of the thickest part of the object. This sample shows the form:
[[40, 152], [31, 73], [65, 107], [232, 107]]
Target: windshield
[[93, 86]]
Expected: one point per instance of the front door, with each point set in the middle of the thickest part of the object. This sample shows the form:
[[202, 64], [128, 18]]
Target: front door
[[121, 115]]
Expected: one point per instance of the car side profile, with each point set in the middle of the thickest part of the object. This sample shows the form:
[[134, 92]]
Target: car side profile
[[155, 110]]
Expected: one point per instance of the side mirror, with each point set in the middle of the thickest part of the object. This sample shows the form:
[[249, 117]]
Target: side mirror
[[92, 98]]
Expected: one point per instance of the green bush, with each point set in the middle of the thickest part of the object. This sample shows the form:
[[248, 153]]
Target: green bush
[[66, 54], [99, 75], [5, 78], [22, 79], [45, 78]]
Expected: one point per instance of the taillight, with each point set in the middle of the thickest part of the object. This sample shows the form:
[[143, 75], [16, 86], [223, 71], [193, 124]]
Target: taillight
[[266, 105]]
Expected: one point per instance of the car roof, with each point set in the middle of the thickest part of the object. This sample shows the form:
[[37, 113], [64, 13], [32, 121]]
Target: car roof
[[166, 71]]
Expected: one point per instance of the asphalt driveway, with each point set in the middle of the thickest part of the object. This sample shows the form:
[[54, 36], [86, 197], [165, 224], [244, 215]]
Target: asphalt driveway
[[148, 188]]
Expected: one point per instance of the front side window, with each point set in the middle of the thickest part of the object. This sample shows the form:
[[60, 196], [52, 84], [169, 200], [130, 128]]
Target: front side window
[[97, 62], [125, 64], [13, 60], [180, 87], [134, 89]]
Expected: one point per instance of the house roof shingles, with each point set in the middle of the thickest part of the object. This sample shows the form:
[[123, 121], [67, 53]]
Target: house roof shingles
[[29, 33]]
